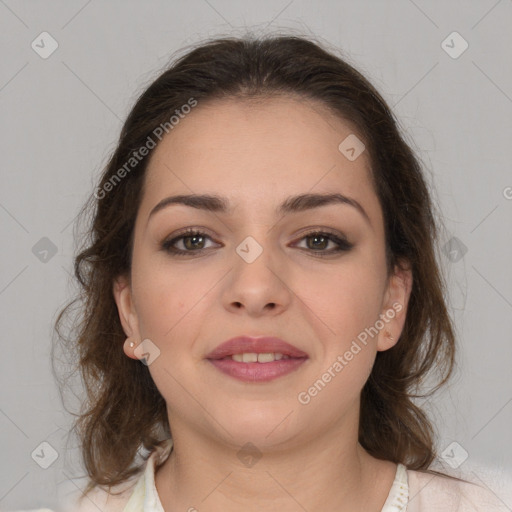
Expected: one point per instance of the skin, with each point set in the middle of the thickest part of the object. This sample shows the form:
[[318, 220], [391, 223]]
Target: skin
[[258, 154]]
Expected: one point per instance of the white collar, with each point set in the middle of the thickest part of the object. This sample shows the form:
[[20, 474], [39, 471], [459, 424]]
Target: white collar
[[144, 497]]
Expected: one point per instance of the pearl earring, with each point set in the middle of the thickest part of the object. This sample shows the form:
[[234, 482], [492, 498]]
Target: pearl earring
[[132, 344]]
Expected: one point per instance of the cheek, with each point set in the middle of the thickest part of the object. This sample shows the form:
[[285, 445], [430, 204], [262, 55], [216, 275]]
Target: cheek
[[172, 300], [162, 297], [346, 299]]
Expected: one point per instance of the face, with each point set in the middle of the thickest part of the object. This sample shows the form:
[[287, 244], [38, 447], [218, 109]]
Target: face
[[313, 276]]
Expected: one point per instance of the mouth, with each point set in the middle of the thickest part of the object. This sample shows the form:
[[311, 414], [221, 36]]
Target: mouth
[[253, 359]]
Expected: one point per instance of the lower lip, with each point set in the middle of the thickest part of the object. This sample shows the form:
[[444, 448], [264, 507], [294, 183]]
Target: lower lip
[[257, 372]]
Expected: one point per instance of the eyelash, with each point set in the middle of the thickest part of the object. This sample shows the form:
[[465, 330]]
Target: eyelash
[[343, 245]]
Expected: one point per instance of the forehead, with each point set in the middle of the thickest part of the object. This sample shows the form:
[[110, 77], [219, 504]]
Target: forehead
[[256, 151]]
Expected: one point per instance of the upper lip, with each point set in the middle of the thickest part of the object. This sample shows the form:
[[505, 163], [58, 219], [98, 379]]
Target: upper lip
[[258, 345]]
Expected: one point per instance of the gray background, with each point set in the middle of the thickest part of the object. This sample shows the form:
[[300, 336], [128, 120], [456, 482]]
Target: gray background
[[61, 117]]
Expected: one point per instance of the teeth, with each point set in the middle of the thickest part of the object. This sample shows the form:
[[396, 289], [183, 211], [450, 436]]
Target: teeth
[[265, 358], [252, 357]]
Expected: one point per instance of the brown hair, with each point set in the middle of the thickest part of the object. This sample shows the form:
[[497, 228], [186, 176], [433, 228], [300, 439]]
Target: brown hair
[[124, 410]]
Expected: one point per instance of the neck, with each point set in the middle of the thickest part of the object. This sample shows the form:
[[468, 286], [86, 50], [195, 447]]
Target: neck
[[338, 475]]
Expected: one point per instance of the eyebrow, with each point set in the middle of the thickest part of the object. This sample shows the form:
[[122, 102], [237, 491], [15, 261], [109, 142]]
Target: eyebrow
[[293, 204]]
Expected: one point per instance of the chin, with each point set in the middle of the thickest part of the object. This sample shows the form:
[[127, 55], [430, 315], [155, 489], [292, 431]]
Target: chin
[[265, 426]]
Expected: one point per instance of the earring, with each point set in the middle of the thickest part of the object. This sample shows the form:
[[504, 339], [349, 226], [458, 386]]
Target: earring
[[132, 344], [388, 335]]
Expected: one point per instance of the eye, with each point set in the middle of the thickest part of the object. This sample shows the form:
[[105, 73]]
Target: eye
[[318, 241], [191, 241]]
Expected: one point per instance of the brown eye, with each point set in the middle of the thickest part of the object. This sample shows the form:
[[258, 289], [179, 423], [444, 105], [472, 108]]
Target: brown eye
[[193, 241], [318, 242], [189, 242]]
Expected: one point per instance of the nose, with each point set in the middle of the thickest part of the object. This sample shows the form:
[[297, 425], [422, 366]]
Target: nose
[[258, 287]]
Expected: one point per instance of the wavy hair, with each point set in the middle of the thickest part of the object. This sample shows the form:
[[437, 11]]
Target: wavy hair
[[123, 410]]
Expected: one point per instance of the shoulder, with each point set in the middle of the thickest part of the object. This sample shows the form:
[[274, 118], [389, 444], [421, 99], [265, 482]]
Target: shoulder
[[113, 500], [131, 492], [480, 489]]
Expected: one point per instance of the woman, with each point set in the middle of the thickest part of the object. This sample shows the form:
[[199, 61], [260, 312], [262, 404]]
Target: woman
[[262, 298]]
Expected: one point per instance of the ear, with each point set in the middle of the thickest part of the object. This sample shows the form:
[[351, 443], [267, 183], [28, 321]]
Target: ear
[[127, 314], [395, 304]]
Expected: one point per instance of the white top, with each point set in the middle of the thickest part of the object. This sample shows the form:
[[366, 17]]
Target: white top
[[411, 491]]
